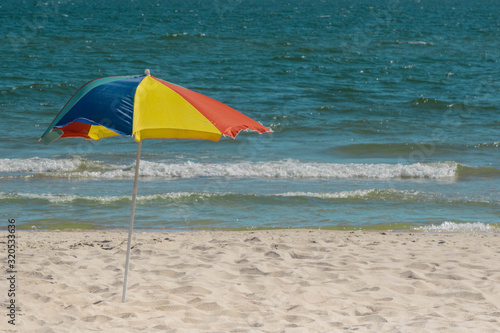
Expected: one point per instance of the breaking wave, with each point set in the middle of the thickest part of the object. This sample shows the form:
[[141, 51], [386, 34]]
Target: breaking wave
[[87, 169], [467, 227]]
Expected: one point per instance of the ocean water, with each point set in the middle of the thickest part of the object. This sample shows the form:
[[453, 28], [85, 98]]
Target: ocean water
[[386, 114]]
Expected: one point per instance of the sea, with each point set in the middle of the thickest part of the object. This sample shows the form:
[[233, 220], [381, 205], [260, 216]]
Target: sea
[[385, 114]]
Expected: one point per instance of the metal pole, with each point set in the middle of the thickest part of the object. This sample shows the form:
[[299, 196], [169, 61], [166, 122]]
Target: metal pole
[[131, 227]]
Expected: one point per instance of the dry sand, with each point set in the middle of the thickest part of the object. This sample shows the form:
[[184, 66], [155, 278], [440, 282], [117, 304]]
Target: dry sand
[[255, 281]]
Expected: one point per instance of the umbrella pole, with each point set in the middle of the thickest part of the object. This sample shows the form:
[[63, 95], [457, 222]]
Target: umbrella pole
[[131, 227]]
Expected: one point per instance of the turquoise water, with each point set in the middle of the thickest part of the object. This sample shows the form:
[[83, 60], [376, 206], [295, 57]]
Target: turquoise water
[[385, 114]]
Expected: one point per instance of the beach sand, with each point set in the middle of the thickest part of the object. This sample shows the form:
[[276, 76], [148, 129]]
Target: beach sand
[[255, 281]]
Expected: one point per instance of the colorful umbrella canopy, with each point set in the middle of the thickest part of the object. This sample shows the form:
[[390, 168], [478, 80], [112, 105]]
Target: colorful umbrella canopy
[[144, 107], [147, 108]]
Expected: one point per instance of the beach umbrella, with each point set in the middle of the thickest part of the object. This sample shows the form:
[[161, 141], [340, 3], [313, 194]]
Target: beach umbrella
[[144, 107]]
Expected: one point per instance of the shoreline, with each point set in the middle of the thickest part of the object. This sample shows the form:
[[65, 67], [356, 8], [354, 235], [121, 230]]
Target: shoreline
[[296, 280], [443, 228]]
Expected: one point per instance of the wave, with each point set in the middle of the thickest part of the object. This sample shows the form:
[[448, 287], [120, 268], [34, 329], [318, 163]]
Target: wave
[[488, 145], [291, 58], [374, 194], [367, 194], [87, 169], [432, 103], [408, 149], [460, 109], [73, 198], [392, 149], [413, 43], [23, 89], [466, 172], [170, 36], [52, 166], [464, 227], [391, 195], [224, 197]]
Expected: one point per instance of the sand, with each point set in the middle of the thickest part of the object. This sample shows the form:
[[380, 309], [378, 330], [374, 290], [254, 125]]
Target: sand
[[255, 281]]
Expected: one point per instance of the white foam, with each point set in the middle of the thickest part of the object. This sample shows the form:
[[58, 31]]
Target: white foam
[[60, 198], [79, 168], [336, 195], [379, 194], [38, 165], [418, 42], [297, 169], [375, 194], [67, 198], [468, 227]]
